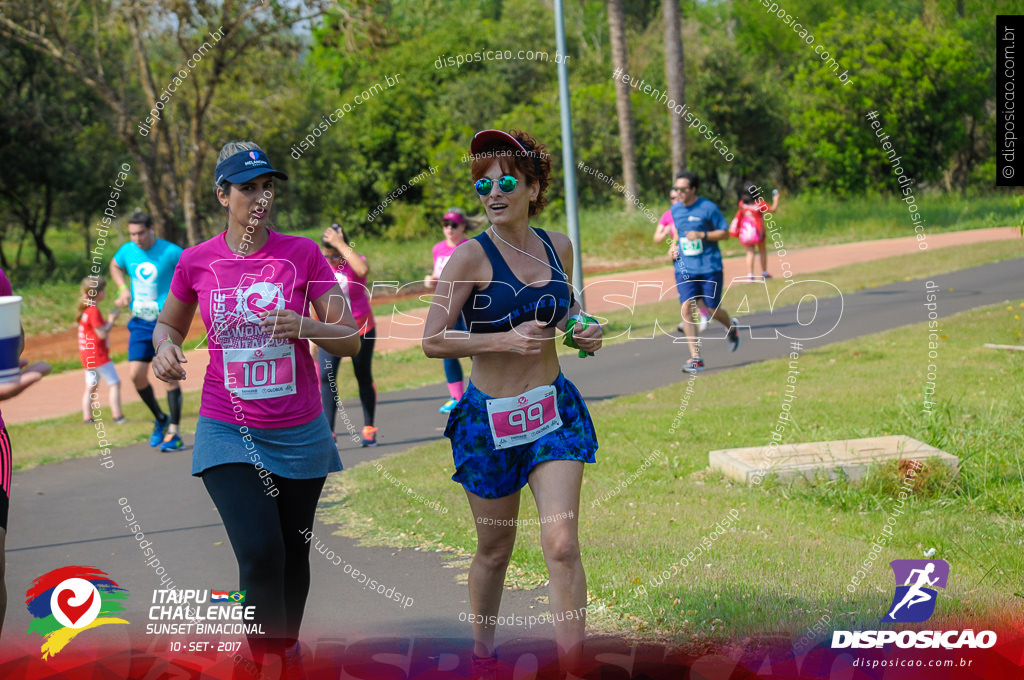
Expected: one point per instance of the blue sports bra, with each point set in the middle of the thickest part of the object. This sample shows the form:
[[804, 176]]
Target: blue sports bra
[[506, 302]]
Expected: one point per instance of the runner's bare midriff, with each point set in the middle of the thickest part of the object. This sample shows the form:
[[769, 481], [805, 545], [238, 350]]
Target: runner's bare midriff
[[507, 374]]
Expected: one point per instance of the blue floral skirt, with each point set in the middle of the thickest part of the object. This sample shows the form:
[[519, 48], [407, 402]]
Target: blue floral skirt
[[492, 473]]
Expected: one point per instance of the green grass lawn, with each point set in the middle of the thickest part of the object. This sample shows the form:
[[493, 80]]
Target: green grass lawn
[[788, 558], [611, 239], [50, 440]]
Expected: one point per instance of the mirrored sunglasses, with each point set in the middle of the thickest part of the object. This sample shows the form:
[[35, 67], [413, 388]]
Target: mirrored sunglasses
[[506, 184]]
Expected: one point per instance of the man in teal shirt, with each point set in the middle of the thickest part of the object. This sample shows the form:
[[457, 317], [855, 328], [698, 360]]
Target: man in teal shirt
[[148, 263]]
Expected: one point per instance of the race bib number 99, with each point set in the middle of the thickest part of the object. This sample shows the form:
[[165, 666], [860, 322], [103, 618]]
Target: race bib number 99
[[260, 373], [525, 418]]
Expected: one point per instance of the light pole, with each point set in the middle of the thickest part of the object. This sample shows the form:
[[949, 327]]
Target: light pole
[[569, 165]]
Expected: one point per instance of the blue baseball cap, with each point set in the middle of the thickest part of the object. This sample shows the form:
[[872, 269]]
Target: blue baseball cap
[[245, 165]]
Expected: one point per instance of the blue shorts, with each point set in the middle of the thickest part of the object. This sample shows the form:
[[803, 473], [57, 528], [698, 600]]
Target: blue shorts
[[707, 286], [494, 473], [140, 339], [680, 276]]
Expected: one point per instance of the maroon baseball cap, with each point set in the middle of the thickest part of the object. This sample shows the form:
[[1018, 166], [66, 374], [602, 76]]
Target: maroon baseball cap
[[486, 138]]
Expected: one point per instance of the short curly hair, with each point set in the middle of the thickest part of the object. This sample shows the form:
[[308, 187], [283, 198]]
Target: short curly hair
[[534, 165]]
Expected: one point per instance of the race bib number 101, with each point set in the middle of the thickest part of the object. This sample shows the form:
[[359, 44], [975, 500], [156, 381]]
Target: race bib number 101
[[524, 418], [260, 373]]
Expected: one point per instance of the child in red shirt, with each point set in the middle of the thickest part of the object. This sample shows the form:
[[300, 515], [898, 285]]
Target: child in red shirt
[[92, 347]]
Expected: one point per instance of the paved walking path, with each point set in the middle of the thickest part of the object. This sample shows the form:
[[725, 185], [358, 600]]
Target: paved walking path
[[61, 394]]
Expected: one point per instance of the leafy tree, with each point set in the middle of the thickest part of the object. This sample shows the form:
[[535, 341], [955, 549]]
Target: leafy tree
[[676, 79], [427, 120], [623, 110], [923, 83], [59, 160], [132, 57], [747, 113]]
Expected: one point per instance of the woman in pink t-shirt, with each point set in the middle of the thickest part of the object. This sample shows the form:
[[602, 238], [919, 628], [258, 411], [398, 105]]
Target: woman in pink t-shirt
[[350, 269], [12, 388], [455, 227], [262, 447]]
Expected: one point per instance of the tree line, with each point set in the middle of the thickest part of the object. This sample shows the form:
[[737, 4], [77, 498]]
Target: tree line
[[159, 86]]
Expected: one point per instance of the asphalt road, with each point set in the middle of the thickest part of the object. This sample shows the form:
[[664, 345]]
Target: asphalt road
[[71, 513]]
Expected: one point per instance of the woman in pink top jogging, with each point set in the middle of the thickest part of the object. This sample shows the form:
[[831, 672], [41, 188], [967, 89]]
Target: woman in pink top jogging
[[350, 269], [455, 226], [262, 446]]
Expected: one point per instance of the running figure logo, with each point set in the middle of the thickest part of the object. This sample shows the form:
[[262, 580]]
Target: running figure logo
[[145, 303], [914, 601]]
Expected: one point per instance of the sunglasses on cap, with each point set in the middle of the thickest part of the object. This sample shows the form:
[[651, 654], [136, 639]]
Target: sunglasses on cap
[[506, 184]]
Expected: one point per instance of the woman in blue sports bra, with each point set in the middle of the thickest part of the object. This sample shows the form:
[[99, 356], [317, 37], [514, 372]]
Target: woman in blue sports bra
[[520, 421]]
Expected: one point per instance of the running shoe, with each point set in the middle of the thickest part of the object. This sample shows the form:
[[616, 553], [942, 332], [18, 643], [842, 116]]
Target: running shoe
[[120, 420], [173, 444], [447, 406], [90, 421], [766, 275], [734, 335], [694, 365], [294, 669], [489, 668], [681, 328], [702, 325], [159, 427], [369, 436]]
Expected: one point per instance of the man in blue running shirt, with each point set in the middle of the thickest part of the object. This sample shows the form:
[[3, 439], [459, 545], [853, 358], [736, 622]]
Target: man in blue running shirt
[[698, 261], [148, 263]]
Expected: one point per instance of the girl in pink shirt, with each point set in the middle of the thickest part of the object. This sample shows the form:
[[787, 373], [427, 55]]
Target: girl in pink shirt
[[455, 226], [262, 447], [350, 269]]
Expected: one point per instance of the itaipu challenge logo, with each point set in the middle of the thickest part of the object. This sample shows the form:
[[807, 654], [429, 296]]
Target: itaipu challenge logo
[[70, 600]]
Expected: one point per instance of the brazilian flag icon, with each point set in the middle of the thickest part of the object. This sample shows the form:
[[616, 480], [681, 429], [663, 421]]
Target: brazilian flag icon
[[237, 596]]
